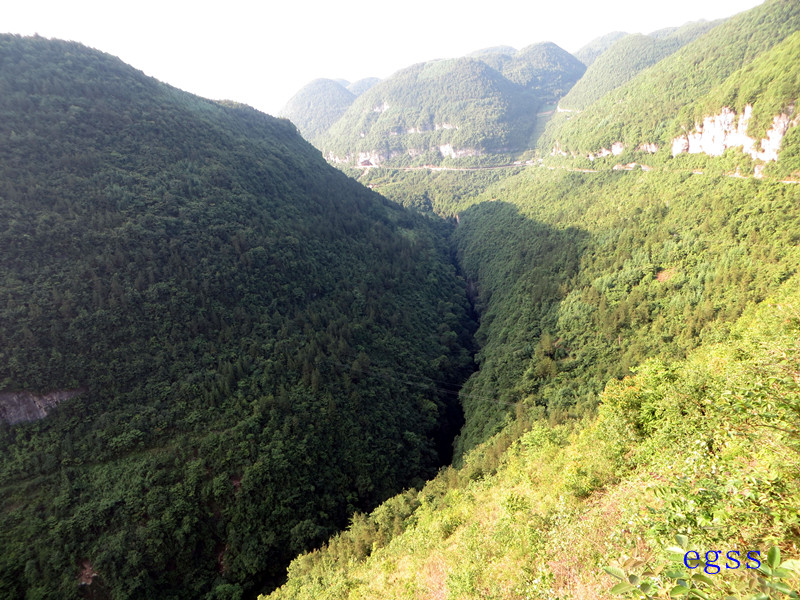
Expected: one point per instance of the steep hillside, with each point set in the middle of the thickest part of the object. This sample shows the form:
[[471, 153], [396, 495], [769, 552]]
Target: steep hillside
[[318, 106], [758, 118], [253, 345], [637, 391], [433, 111], [591, 51], [545, 70], [644, 110], [362, 85], [692, 455], [479, 109], [624, 59], [582, 276]]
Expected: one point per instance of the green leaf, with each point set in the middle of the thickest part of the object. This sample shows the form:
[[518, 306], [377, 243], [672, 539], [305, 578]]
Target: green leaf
[[676, 574], [792, 564], [774, 557], [682, 540], [702, 578], [615, 572], [646, 588], [633, 579], [675, 550], [622, 588], [697, 593], [781, 587], [678, 590]]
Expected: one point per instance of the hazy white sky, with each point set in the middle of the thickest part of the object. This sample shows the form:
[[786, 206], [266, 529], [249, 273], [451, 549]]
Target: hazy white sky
[[261, 53]]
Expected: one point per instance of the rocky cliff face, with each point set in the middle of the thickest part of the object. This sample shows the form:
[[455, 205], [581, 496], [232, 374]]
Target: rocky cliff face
[[714, 136], [726, 130], [20, 407]]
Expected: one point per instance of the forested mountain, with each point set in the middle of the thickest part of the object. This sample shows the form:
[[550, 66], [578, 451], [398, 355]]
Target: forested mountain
[[545, 70], [362, 85], [473, 110], [252, 350], [432, 111], [318, 106], [684, 456], [259, 345], [637, 395], [591, 51], [625, 58], [650, 108]]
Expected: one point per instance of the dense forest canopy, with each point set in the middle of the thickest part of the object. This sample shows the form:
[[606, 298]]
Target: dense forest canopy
[[264, 345], [645, 109], [477, 109], [636, 399], [626, 57], [407, 117], [261, 350], [319, 105]]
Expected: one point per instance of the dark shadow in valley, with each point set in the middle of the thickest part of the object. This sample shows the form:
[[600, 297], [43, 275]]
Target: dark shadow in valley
[[518, 270]]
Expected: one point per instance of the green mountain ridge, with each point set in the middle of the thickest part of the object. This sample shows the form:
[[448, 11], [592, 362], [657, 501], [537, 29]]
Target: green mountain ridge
[[589, 53], [644, 110], [461, 110], [318, 105], [637, 387], [407, 115], [545, 69], [554, 378], [624, 59], [236, 312], [362, 85]]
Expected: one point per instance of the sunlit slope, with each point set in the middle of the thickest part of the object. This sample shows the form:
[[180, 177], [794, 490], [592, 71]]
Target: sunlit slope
[[545, 69], [580, 277], [262, 346], [362, 85], [644, 109], [624, 59], [591, 51], [699, 452], [442, 109]]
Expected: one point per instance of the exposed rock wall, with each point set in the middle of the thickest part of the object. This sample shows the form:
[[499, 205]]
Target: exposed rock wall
[[448, 151], [714, 136], [726, 130], [20, 407]]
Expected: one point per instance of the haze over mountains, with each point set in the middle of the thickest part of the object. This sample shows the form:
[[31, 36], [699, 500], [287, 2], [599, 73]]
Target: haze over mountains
[[559, 332], [485, 103]]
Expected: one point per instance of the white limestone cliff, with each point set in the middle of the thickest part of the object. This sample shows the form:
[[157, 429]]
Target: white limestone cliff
[[726, 130]]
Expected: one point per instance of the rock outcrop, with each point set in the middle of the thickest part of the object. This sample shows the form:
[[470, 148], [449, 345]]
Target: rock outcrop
[[21, 407], [726, 130]]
